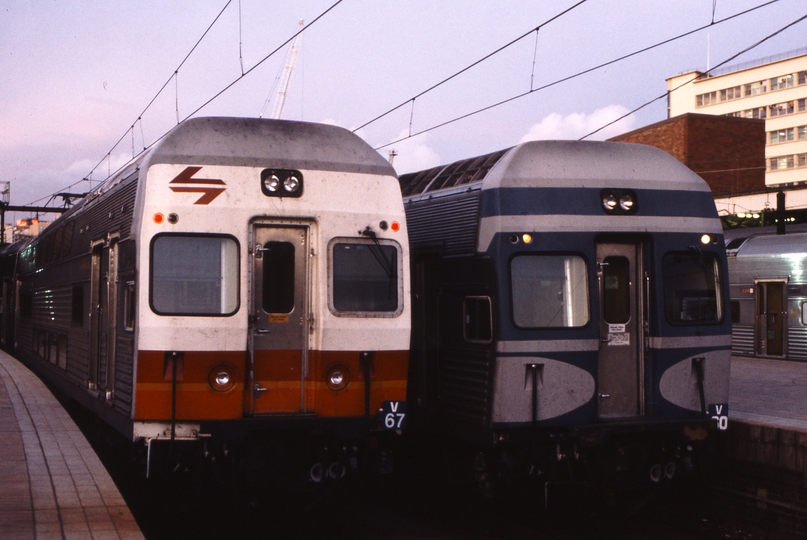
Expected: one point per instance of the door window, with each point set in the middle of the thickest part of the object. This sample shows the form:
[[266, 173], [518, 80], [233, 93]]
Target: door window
[[616, 289], [278, 277]]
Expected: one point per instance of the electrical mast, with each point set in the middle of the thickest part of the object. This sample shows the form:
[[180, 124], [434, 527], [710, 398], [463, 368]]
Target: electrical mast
[[285, 78]]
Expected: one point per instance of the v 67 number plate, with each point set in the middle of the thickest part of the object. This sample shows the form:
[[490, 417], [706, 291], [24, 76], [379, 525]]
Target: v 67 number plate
[[392, 415]]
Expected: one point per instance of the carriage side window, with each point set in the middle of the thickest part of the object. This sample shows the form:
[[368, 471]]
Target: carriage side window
[[692, 288], [477, 320], [77, 307], [194, 275], [366, 278], [549, 291], [129, 306]]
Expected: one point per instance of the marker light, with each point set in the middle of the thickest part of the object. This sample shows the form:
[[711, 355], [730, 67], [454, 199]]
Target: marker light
[[395, 226], [526, 238], [159, 218], [706, 239]]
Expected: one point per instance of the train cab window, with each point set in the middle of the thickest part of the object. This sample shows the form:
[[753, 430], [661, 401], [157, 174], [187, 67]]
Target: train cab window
[[365, 278], [194, 275], [549, 291], [691, 288], [477, 320]]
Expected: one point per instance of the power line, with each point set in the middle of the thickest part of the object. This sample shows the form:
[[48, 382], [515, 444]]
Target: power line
[[665, 94], [474, 64], [205, 104], [557, 82]]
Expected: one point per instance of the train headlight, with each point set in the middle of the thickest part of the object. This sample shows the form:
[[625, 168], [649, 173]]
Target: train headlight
[[271, 183], [619, 201], [281, 183], [337, 378], [291, 184], [221, 377], [626, 202]]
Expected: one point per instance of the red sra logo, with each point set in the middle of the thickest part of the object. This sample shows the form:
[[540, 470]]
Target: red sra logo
[[210, 188]]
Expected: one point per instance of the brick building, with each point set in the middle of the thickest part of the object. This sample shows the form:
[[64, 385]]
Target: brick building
[[727, 152]]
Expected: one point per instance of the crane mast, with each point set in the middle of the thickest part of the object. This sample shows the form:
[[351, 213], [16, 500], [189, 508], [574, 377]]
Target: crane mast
[[283, 86]]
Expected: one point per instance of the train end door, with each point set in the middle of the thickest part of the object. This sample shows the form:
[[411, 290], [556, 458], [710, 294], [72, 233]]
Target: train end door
[[620, 361], [278, 313], [770, 321]]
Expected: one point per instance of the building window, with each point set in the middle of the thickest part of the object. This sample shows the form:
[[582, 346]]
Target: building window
[[802, 160], [780, 83], [802, 132], [756, 88], [730, 93], [803, 104], [802, 77], [781, 109], [709, 98], [783, 135]]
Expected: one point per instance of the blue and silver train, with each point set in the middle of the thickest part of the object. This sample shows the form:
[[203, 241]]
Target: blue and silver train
[[570, 311]]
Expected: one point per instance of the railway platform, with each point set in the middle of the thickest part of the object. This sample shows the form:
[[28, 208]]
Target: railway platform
[[768, 412], [52, 484]]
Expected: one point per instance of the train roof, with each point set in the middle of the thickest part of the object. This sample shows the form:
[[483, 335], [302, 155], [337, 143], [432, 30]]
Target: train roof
[[558, 163], [263, 142], [766, 245]]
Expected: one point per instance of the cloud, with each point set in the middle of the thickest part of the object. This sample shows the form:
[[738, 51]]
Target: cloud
[[576, 125]]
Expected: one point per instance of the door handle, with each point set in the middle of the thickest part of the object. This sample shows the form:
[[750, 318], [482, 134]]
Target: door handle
[[261, 331], [257, 390]]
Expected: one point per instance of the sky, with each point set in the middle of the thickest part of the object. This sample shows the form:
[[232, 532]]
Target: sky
[[80, 81]]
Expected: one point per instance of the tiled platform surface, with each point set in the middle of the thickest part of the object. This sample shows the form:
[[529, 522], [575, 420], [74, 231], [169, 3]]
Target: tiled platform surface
[[769, 392], [52, 484], [768, 413]]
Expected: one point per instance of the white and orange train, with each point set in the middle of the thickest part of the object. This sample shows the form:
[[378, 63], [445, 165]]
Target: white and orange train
[[243, 284]]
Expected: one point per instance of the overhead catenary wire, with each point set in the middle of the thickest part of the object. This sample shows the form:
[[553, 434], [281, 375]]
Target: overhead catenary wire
[[548, 85], [470, 66], [107, 157], [698, 76]]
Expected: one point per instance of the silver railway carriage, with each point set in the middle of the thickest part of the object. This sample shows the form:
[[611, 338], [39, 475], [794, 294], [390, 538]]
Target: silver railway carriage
[[769, 295], [244, 277], [570, 308]]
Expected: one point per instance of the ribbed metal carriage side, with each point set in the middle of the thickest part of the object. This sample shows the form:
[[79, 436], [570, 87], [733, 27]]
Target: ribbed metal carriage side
[[442, 207], [50, 282], [768, 257]]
